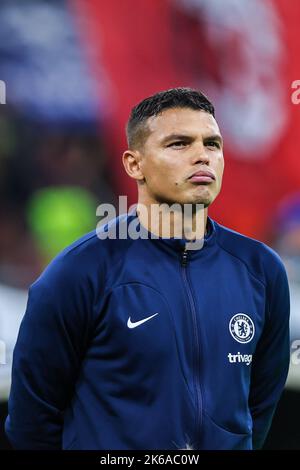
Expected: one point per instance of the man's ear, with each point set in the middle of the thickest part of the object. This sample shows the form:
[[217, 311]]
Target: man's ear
[[132, 163]]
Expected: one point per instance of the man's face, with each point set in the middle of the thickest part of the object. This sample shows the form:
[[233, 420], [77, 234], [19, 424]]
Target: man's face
[[183, 142]]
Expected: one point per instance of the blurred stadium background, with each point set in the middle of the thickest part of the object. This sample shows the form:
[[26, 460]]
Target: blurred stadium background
[[74, 68]]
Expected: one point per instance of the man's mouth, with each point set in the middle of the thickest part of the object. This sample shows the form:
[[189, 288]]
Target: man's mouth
[[202, 177]]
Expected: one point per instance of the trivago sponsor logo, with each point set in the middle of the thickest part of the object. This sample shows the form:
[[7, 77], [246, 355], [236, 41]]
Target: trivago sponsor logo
[[240, 358]]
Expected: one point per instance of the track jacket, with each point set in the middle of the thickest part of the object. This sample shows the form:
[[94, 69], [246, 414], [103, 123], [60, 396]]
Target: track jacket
[[140, 344]]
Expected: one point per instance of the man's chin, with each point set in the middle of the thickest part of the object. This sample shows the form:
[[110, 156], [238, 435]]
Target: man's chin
[[204, 200], [201, 195]]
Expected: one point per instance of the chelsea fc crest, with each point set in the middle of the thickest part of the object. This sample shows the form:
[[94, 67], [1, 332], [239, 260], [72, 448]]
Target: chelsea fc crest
[[241, 328]]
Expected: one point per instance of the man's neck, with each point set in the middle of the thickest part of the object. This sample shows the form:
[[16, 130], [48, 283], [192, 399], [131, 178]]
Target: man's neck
[[187, 221]]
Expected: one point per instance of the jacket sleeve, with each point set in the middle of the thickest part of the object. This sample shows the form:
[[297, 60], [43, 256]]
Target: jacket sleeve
[[47, 357], [271, 359]]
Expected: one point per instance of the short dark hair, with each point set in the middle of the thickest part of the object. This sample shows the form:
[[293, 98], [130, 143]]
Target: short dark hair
[[137, 130]]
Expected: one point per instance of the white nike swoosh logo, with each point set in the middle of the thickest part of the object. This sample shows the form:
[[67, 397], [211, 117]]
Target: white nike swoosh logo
[[131, 324]]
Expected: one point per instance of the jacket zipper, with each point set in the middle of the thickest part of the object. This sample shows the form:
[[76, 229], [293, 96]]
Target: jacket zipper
[[197, 385]]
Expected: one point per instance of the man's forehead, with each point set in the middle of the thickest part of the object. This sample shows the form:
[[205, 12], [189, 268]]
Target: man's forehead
[[182, 120]]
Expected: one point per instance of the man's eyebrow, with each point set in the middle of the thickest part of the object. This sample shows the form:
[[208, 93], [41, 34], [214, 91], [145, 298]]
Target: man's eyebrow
[[170, 137]]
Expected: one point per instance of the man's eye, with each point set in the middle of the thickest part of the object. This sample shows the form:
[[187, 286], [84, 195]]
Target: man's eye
[[178, 143], [212, 143]]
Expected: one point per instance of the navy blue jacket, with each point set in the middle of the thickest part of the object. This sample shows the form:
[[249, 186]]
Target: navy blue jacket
[[138, 344]]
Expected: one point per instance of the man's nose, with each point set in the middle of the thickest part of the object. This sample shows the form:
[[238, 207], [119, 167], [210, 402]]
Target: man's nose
[[200, 156]]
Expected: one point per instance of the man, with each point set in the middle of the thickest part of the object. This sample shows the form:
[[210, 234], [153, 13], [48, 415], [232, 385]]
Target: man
[[149, 343]]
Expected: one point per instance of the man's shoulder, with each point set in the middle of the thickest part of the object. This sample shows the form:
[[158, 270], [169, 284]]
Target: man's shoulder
[[87, 258], [236, 241], [106, 237], [260, 259]]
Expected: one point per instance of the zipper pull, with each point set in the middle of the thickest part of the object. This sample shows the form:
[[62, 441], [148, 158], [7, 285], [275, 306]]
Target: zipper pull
[[184, 258]]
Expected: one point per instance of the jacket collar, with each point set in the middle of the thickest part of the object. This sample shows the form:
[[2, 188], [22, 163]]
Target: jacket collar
[[177, 244]]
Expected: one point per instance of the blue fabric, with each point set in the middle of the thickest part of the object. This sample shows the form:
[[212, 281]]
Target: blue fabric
[[82, 379]]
